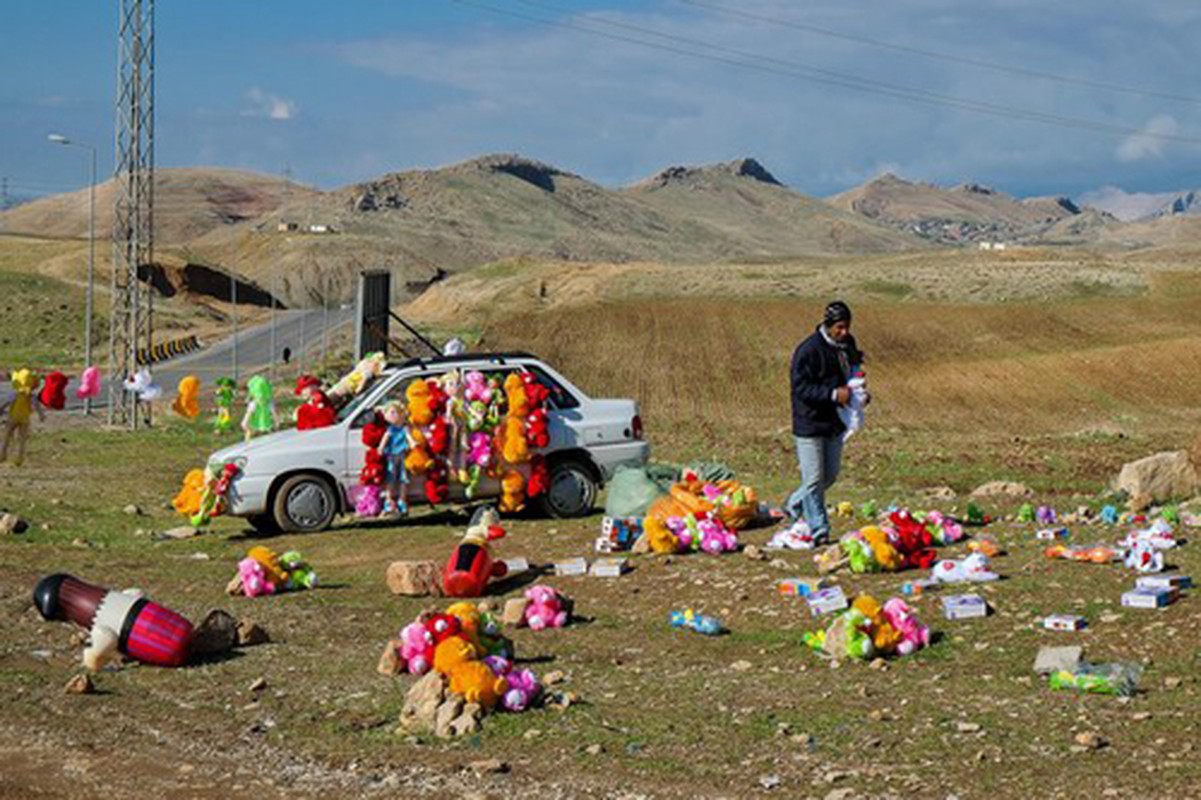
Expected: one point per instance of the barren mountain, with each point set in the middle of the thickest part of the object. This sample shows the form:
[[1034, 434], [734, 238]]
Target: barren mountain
[[189, 202], [968, 212]]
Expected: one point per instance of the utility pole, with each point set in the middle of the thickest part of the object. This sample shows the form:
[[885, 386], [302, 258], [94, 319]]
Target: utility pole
[[274, 303], [300, 350], [324, 318], [233, 315], [131, 321]]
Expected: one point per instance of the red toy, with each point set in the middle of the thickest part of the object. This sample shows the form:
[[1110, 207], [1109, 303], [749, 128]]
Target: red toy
[[54, 391], [437, 486], [539, 480], [116, 621], [317, 412], [470, 566]]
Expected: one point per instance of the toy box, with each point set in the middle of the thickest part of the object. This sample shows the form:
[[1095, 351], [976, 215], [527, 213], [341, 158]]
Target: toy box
[[572, 566], [609, 567], [1063, 622], [1149, 598], [1163, 582], [619, 532], [1051, 534], [826, 600], [517, 565], [964, 606], [800, 587]]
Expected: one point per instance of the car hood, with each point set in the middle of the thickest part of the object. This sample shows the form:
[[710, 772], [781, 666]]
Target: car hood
[[279, 439]]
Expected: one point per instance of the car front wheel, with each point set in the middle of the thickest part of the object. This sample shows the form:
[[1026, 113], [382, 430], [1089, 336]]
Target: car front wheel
[[572, 490], [304, 504]]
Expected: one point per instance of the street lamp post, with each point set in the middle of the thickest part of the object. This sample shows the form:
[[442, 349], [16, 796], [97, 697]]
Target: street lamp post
[[58, 138]]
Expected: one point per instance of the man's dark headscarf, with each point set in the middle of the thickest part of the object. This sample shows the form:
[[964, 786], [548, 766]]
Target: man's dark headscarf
[[836, 312]]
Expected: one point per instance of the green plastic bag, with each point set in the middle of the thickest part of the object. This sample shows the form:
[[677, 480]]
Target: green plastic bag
[[631, 493]]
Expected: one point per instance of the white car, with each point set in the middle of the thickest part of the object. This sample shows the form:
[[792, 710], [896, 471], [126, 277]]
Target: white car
[[300, 480]]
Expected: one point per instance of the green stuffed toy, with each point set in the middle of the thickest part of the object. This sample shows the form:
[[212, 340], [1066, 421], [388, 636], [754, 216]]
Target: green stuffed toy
[[300, 574], [860, 556], [1026, 514]]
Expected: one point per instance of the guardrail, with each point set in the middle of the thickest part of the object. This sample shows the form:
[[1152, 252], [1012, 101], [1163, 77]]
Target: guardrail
[[169, 349]]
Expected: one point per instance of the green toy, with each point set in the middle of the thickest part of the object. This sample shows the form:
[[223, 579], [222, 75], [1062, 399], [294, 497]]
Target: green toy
[[260, 407], [224, 400], [300, 574], [869, 510], [1026, 514]]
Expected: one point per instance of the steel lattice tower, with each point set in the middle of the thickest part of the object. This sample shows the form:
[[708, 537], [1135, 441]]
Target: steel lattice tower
[[131, 321]]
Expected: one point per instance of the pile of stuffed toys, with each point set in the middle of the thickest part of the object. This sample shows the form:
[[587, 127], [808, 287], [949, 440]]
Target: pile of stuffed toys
[[699, 516], [263, 572], [466, 646], [902, 541], [33, 393], [869, 630], [464, 428]]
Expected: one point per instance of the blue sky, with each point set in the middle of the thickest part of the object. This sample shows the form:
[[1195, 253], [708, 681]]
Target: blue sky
[[346, 91]]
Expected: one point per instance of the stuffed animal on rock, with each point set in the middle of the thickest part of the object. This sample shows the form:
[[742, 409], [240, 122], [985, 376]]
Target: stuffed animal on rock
[[255, 582], [492, 639], [417, 648], [468, 615], [914, 635], [974, 568], [271, 566], [442, 627], [187, 399], [546, 608], [54, 391], [89, 384], [477, 684], [470, 566]]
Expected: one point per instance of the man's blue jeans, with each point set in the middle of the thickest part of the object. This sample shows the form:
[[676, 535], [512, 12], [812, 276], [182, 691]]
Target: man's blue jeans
[[819, 458]]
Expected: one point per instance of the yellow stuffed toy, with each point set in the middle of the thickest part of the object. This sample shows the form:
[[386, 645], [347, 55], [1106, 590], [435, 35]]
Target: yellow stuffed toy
[[885, 637], [886, 555], [477, 683], [270, 562], [514, 447], [187, 403], [519, 403], [659, 536], [187, 502], [468, 616], [418, 397], [452, 652], [418, 461], [512, 487]]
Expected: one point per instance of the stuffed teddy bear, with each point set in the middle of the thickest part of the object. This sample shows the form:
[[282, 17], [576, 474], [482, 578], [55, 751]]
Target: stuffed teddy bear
[[417, 396], [914, 635], [519, 404], [418, 460], [539, 480], [416, 648], [187, 502], [885, 637], [513, 445], [1144, 556], [1026, 514], [439, 436], [437, 483], [270, 562], [442, 626], [477, 683], [1045, 515], [659, 537], [255, 582], [942, 529], [716, 538], [975, 568], [546, 608], [537, 429], [492, 639], [368, 501], [476, 388], [524, 688], [885, 555], [468, 615], [849, 635], [512, 498], [89, 384], [452, 652], [860, 556], [54, 391]]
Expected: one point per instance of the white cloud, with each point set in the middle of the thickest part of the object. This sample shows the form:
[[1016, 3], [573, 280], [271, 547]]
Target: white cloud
[[1147, 142], [267, 105], [1124, 205]]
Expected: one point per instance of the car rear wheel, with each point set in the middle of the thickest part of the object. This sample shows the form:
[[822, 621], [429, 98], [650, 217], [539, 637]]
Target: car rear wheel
[[572, 490], [304, 504]]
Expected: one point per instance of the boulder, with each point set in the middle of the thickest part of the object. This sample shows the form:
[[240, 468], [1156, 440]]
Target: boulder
[[80, 684], [414, 579], [468, 721], [251, 634], [216, 634], [447, 714], [235, 588], [937, 494], [1002, 489], [1159, 478], [421, 704], [389, 660]]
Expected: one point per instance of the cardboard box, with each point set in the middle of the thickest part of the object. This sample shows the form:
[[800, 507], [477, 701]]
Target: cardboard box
[[964, 606], [823, 601], [1163, 582], [1064, 622], [621, 532], [572, 566], [517, 565], [800, 587], [1051, 534], [609, 567], [1149, 598]]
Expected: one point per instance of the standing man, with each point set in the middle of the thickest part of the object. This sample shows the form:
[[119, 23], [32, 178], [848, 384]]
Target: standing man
[[821, 367]]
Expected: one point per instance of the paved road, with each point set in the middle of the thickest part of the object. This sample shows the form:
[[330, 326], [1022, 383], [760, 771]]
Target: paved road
[[253, 353]]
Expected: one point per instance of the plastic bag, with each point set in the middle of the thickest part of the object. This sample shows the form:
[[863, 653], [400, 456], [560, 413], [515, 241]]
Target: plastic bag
[[631, 493], [1116, 678]]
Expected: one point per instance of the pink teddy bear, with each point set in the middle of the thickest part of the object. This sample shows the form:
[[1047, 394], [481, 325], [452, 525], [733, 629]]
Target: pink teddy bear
[[417, 648], [476, 388], [524, 689], [254, 578], [914, 635], [481, 449], [545, 609], [716, 538]]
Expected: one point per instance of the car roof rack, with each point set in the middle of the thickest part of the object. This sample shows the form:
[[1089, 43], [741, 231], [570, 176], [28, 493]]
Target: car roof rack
[[497, 358]]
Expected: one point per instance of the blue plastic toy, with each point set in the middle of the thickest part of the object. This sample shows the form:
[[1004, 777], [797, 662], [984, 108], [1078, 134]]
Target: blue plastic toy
[[709, 626]]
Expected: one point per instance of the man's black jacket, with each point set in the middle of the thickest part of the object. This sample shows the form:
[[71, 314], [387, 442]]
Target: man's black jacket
[[817, 370]]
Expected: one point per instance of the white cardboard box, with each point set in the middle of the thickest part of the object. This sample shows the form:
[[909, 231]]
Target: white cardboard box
[[1163, 582], [572, 566], [1063, 622], [517, 565], [1149, 598], [964, 606], [609, 567], [826, 600]]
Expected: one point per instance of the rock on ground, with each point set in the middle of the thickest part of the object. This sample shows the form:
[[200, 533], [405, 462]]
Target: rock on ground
[[420, 709], [216, 634], [1159, 478], [414, 579], [251, 634], [1002, 489], [11, 523]]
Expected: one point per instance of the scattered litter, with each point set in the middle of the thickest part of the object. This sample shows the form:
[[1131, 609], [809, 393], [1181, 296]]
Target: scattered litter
[[1096, 554], [1064, 622], [826, 600], [516, 566], [918, 587], [701, 623], [1119, 679], [1051, 534], [964, 606], [800, 587]]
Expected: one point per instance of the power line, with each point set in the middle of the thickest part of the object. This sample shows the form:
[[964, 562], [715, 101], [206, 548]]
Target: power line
[[818, 75], [941, 56]]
